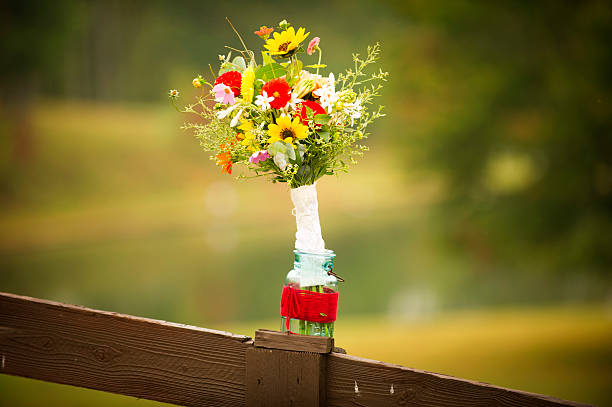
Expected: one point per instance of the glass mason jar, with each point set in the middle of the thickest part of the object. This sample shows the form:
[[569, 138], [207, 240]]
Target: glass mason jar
[[311, 272]]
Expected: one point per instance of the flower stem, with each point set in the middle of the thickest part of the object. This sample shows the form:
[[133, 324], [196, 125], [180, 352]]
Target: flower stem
[[319, 63]]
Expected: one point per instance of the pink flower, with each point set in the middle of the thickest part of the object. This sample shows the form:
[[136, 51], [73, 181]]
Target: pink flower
[[223, 94], [259, 156], [314, 43]]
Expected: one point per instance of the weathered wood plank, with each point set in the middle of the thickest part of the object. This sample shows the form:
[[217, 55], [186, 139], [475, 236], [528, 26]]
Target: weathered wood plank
[[353, 381], [285, 378], [194, 366], [122, 354], [265, 338]]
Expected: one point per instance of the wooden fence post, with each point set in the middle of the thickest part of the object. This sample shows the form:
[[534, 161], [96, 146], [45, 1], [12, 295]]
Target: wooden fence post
[[287, 370]]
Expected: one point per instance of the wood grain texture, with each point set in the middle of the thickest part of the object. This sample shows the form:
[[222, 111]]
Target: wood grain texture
[[265, 338], [133, 356], [353, 381], [193, 366], [285, 378]]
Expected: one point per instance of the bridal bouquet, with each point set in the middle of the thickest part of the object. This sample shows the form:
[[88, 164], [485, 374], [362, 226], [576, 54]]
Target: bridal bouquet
[[278, 114]]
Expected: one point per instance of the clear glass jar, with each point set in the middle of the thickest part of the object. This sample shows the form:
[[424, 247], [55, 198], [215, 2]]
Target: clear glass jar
[[311, 271]]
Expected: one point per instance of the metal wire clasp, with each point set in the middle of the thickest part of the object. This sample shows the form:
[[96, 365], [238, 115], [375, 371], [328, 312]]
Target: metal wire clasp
[[330, 272]]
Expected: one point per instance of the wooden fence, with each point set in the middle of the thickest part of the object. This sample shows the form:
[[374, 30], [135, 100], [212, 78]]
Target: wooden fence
[[193, 366]]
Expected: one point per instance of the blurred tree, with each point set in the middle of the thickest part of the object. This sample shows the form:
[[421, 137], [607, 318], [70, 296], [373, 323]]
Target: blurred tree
[[510, 103], [33, 33], [524, 143]]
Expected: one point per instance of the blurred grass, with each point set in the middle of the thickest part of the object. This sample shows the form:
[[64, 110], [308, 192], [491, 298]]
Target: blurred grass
[[564, 352], [118, 210]]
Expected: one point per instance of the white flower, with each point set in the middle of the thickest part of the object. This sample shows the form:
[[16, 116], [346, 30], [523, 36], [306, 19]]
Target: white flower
[[294, 101], [327, 94], [353, 110], [234, 121], [222, 114], [263, 100]]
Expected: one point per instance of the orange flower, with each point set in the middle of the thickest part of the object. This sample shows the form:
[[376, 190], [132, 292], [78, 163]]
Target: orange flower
[[224, 159], [264, 32]]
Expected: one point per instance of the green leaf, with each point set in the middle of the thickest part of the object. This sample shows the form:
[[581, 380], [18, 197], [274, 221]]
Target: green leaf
[[267, 59], [304, 171], [301, 151], [322, 118], [290, 151], [270, 71], [239, 63], [277, 147], [324, 135], [225, 67], [293, 71], [316, 66], [257, 87]]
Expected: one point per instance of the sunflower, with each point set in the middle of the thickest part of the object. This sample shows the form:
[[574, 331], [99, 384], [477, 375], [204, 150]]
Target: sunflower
[[287, 130], [285, 43]]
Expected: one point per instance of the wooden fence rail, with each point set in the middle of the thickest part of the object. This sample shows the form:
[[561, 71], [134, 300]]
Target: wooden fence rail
[[193, 366]]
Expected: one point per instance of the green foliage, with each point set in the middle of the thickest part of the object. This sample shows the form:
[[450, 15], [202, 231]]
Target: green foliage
[[521, 137], [270, 71], [237, 64]]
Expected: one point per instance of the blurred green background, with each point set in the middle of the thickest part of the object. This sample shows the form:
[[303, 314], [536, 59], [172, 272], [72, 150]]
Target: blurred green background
[[475, 237]]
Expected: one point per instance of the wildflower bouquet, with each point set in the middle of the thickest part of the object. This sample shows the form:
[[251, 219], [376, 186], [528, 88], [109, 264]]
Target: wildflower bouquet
[[282, 118]]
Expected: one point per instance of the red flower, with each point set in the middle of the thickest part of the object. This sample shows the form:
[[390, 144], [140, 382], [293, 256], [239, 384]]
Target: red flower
[[302, 110], [280, 90], [233, 79]]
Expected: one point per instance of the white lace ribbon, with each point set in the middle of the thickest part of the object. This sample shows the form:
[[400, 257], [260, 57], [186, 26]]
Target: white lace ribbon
[[306, 211]]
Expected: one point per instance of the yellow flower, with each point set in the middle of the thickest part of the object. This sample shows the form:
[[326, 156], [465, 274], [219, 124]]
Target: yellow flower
[[248, 138], [250, 142], [246, 88], [246, 126], [286, 42], [287, 130]]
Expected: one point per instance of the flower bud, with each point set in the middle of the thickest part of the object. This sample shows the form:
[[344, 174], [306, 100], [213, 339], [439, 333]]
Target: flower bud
[[197, 81], [348, 96]]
